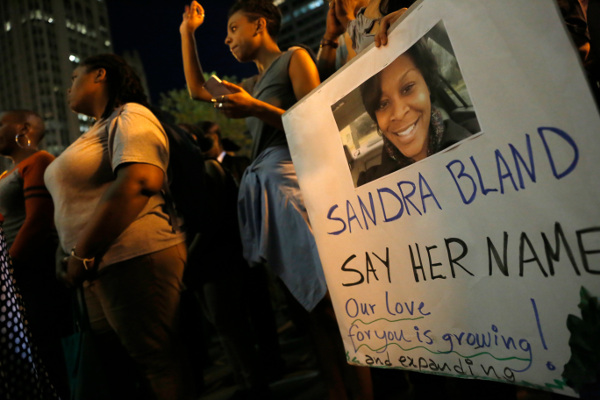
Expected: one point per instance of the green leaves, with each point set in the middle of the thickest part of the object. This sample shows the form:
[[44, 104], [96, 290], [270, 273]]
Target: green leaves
[[583, 367], [178, 103]]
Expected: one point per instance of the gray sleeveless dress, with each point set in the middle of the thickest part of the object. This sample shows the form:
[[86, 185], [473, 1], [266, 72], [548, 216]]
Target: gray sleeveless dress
[[273, 220], [358, 30]]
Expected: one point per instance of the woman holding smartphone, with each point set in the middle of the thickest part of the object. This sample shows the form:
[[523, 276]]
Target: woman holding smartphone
[[273, 220]]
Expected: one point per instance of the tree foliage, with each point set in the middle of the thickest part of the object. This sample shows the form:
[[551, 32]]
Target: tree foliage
[[184, 109]]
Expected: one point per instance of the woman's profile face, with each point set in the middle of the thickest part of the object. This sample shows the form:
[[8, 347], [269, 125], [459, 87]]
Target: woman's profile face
[[240, 37], [81, 92], [404, 108]]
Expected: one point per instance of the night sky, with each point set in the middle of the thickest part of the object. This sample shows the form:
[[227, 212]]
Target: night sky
[[152, 28]]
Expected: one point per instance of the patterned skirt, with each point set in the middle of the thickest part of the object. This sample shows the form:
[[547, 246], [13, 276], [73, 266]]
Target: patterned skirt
[[22, 373]]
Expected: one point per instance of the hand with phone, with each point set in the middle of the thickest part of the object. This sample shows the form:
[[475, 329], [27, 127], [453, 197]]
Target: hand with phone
[[236, 103], [215, 87]]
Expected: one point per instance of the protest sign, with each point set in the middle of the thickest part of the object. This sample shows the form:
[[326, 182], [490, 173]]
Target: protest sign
[[468, 262]]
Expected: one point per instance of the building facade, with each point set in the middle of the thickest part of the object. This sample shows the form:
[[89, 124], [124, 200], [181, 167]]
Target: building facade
[[303, 22], [42, 41]]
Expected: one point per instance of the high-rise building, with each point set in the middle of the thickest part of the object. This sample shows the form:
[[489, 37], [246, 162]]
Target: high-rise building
[[303, 22], [42, 41]]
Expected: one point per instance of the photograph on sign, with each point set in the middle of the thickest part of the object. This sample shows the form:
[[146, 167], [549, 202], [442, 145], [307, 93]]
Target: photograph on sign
[[414, 107]]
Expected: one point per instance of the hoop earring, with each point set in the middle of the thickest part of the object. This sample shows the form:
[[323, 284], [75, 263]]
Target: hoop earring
[[19, 142]]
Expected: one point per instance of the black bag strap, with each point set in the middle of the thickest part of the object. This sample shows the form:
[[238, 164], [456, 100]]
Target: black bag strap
[[81, 320], [166, 192], [111, 132]]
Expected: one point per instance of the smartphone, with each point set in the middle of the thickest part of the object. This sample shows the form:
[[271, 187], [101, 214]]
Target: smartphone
[[215, 87]]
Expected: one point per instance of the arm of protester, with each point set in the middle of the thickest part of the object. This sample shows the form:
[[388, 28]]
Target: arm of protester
[[345, 11], [193, 17], [327, 50], [303, 73], [349, 49], [39, 209], [122, 202], [240, 104], [381, 38]]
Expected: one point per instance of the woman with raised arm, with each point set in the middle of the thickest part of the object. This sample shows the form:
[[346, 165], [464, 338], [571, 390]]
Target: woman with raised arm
[[273, 220]]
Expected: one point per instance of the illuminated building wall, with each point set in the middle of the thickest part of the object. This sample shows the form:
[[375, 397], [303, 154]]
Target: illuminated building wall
[[41, 41]]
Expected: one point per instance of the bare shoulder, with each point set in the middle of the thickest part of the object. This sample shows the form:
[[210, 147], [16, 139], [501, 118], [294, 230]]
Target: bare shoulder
[[300, 57], [303, 72]]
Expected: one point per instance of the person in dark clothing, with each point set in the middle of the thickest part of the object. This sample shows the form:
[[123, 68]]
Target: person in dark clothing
[[236, 165]]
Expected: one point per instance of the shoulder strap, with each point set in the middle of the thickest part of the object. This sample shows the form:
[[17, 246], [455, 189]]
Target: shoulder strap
[[111, 133], [170, 206], [169, 202], [80, 318]]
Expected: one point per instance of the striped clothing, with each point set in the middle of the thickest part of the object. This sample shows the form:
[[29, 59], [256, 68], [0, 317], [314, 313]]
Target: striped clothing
[[26, 204]]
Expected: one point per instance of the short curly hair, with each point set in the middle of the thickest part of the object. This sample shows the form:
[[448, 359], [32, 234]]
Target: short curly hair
[[425, 62], [255, 9], [124, 85]]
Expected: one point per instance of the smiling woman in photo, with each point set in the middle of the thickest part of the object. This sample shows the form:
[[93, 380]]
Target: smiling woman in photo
[[399, 99]]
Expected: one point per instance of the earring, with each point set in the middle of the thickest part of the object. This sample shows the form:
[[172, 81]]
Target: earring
[[18, 135]]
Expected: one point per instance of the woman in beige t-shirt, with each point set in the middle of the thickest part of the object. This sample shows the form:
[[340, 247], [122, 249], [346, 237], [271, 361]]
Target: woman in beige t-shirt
[[109, 214]]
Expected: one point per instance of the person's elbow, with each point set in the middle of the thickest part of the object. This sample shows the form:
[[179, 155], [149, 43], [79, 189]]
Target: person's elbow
[[199, 94], [195, 94]]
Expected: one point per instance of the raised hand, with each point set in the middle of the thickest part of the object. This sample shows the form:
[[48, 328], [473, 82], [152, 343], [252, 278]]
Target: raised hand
[[344, 11], [333, 27], [193, 17]]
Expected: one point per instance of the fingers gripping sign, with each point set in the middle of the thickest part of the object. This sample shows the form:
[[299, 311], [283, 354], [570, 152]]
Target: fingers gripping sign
[[381, 38]]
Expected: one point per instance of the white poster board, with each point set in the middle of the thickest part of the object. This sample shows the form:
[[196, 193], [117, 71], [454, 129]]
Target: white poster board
[[468, 262]]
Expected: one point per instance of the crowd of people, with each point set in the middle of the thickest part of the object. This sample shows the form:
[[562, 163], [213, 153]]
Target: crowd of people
[[102, 204]]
